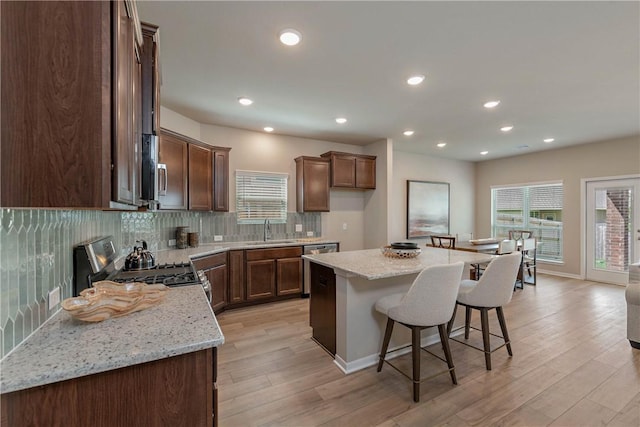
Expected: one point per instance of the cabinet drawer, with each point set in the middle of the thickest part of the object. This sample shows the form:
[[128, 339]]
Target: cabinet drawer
[[273, 253], [210, 261]]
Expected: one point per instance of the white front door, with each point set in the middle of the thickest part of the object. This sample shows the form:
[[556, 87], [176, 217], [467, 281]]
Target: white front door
[[612, 229]]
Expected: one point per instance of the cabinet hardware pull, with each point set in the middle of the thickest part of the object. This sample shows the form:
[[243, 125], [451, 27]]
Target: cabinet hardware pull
[[163, 190]]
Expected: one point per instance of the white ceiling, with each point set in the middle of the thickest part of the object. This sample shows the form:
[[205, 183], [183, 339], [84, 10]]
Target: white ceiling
[[566, 70]]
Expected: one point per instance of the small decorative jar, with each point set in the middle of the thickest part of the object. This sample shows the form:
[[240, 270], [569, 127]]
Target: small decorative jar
[[181, 237], [193, 239]]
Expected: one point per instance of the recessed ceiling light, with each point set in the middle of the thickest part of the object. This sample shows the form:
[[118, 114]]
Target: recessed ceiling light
[[415, 80], [245, 101], [484, 153], [441, 144], [290, 37], [491, 104], [341, 120], [268, 129], [548, 140], [408, 133], [506, 128]]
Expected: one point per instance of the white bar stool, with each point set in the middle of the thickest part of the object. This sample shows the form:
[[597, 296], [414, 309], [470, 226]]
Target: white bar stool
[[429, 302]]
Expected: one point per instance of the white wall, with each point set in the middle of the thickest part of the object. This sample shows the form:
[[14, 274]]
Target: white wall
[[377, 203], [171, 120], [459, 174], [569, 165]]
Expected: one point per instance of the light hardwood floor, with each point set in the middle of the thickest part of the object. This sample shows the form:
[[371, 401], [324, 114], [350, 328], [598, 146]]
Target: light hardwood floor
[[572, 366]]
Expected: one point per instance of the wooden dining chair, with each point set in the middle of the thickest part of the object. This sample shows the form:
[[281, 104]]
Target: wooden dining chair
[[447, 242]]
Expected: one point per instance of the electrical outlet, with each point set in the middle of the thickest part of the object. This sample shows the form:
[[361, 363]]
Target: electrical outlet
[[54, 298], [172, 242], [298, 228], [217, 238], [344, 225], [309, 233]]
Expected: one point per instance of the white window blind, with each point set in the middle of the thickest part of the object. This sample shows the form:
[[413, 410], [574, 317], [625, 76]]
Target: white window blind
[[261, 196], [537, 208]]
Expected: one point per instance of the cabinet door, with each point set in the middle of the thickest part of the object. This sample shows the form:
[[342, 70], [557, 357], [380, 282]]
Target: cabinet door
[[343, 171], [150, 80], [221, 180], [312, 184], [289, 276], [218, 278], [56, 134], [365, 173], [126, 107], [236, 277], [261, 279], [173, 179], [322, 306], [200, 178]]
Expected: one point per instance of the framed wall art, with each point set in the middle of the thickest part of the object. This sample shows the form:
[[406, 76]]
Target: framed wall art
[[427, 208]]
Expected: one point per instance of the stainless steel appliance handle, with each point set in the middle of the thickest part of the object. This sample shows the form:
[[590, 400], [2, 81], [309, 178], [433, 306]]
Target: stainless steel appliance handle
[[165, 181]]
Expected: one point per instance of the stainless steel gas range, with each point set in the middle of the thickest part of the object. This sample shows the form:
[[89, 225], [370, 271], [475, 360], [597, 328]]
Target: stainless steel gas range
[[96, 260]]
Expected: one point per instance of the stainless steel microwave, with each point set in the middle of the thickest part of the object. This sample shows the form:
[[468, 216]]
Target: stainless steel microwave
[[149, 174]]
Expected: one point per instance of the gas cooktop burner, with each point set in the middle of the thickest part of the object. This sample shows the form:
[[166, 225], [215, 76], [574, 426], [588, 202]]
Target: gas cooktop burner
[[167, 274]]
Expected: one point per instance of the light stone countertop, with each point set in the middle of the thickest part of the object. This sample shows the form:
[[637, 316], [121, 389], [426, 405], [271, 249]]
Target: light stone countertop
[[185, 255], [64, 348], [371, 264]]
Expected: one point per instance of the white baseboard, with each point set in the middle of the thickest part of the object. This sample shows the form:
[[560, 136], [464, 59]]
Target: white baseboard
[[372, 359], [561, 274]]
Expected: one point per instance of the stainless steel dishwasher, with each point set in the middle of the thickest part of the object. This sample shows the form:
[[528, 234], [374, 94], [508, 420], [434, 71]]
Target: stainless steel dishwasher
[[313, 250]]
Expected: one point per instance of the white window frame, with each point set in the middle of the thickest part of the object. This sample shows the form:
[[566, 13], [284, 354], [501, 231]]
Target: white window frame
[[543, 229], [261, 196]]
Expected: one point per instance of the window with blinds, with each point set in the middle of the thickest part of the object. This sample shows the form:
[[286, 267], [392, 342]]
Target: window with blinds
[[536, 208], [261, 196]]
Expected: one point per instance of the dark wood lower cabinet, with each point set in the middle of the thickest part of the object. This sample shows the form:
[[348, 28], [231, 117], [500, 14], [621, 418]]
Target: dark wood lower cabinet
[[176, 391], [289, 272], [322, 306], [215, 268], [261, 279]]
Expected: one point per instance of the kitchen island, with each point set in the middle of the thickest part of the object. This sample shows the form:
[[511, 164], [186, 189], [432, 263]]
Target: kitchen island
[[361, 278], [152, 367]]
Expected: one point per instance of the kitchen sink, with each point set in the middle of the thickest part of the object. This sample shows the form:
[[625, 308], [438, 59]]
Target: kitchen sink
[[270, 242]]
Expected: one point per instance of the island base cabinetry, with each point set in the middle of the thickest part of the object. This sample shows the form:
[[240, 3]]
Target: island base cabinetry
[[175, 391], [322, 308]]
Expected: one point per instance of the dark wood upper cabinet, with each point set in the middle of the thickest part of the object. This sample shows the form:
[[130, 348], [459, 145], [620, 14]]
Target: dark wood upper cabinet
[[173, 165], [71, 104], [312, 184], [192, 174], [127, 105], [221, 179], [200, 178], [150, 79], [355, 171], [56, 104]]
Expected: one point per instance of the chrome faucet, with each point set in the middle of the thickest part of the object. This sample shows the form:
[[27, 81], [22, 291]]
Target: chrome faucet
[[267, 230]]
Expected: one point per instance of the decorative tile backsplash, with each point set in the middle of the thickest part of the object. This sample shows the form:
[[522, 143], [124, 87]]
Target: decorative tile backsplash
[[36, 251]]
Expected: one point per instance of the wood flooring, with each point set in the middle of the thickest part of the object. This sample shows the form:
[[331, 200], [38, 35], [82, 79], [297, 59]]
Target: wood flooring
[[572, 366]]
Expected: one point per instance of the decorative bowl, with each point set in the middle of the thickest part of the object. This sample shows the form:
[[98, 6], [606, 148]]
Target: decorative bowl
[[391, 252], [108, 299], [404, 245]]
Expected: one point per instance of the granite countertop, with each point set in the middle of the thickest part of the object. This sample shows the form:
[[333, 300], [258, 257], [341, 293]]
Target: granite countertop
[[64, 348], [185, 255], [371, 264]]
